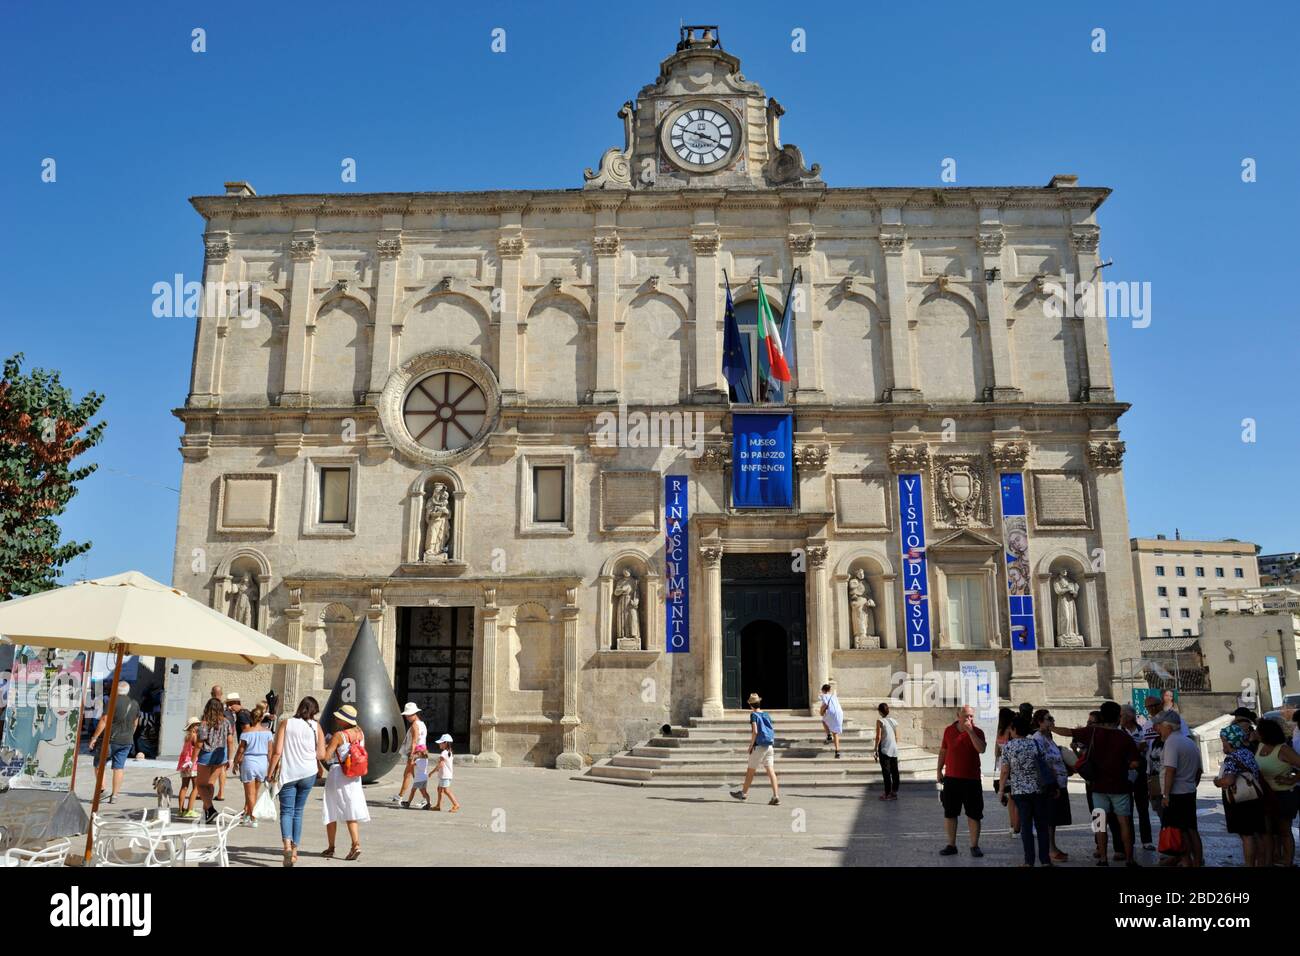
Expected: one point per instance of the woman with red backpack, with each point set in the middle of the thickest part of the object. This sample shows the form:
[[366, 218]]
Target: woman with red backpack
[[348, 763]]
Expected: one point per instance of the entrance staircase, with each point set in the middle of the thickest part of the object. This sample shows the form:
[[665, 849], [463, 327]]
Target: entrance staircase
[[713, 752]]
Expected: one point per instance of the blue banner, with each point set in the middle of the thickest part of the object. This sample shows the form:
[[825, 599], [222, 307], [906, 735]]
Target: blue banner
[[762, 460], [916, 582], [1015, 548], [677, 595]]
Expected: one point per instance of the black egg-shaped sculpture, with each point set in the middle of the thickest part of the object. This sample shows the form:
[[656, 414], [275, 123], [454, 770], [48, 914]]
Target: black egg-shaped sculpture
[[363, 683]]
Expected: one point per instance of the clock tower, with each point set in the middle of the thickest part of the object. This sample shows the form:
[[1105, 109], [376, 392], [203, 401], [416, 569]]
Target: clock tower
[[702, 124]]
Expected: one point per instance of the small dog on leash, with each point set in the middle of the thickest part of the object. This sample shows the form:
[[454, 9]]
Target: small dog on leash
[[163, 787]]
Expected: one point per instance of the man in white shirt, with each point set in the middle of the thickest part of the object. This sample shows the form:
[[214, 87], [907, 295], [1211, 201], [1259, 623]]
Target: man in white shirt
[[1181, 771]]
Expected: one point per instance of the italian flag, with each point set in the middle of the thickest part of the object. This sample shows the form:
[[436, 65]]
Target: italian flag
[[769, 336]]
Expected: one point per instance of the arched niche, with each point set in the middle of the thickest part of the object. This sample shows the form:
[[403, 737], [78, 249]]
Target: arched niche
[[852, 347], [225, 582], [535, 660], [416, 497], [879, 574], [339, 338], [252, 354], [559, 351], [336, 630], [951, 348], [652, 613], [445, 318], [1079, 568], [655, 349]]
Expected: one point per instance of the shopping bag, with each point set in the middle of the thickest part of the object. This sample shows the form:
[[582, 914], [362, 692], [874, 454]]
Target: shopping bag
[[1171, 841], [266, 807]]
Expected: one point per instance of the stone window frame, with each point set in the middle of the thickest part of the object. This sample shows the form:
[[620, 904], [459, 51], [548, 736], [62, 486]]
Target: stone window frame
[[1032, 501], [656, 524], [891, 502], [312, 526], [527, 527], [269, 529]]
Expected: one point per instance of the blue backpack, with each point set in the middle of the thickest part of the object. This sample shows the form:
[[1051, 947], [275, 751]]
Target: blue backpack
[[766, 735]]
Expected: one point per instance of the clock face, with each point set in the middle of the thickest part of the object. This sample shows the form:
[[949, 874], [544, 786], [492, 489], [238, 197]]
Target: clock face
[[700, 138]]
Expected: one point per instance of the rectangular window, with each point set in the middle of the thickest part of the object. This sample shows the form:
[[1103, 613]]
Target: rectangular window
[[1238, 573], [548, 495], [1160, 570], [1182, 592], [1166, 633], [1183, 612], [1200, 572], [335, 495], [1218, 572], [1164, 612], [966, 610], [1180, 571], [1162, 591], [1187, 632]]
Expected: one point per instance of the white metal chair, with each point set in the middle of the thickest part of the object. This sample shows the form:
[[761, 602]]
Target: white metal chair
[[208, 844], [129, 843], [52, 855]]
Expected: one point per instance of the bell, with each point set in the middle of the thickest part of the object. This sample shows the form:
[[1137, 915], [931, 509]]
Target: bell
[[363, 683]]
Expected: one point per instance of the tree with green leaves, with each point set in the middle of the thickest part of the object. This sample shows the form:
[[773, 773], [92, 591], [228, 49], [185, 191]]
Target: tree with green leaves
[[42, 429]]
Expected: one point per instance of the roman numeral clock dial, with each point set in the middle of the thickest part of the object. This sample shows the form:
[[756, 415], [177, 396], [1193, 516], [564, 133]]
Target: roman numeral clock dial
[[700, 137]]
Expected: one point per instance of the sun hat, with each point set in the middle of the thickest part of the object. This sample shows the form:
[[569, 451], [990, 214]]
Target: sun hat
[[233, 697], [347, 713], [192, 721], [444, 739], [410, 708], [755, 699]]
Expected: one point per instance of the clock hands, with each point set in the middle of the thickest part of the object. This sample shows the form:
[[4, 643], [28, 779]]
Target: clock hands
[[703, 136]]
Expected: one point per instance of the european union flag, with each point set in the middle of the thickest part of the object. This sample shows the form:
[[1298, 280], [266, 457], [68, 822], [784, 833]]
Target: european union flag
[[735, 366]]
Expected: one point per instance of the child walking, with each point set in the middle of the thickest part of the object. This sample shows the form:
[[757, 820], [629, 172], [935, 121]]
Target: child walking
[[188, 765], [445, 761], [832, 717], [420, 781]]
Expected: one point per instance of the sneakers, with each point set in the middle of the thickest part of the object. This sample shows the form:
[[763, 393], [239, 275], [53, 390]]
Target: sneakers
[[976, 851], [774, 802], [210, 815], [829, 739], [949, 850], [837, 755], [740, 795]]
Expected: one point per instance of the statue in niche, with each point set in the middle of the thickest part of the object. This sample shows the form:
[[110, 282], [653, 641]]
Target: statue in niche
[[437, 524], [627, 612], [862, 614], [244, 600], [1067, 610]]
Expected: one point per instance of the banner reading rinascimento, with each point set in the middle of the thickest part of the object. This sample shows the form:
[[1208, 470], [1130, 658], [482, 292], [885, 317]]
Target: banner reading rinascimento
[[42, 718], [677, 599]]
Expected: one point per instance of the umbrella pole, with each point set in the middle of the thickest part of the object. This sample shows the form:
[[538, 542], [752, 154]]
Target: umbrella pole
[[103, 750]]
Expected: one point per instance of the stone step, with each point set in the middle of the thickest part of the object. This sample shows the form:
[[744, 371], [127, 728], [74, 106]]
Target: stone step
[[827, 761], [801, 723], [607, 772], [653, 749], [742, 743]]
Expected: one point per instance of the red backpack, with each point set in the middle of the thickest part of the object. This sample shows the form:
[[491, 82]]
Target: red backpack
[[357, 762]]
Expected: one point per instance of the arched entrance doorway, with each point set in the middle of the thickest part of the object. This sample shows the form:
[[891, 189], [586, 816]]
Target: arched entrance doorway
[[763, 624], [765, 663]]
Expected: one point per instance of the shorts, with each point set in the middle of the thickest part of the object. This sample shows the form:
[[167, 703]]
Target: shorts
[[1181, 812], [761, 757], [118, 754], [213, 758], [1120, 804], [1287, 803], [444, 782], [252, 768], [960, 795]]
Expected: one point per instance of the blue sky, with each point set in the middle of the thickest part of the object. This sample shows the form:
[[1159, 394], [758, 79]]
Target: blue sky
[[137, 123]]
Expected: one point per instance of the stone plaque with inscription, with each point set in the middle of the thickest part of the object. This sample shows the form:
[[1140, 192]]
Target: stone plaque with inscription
[[861, 502], [1060, 499], [247, 503], [629, 501]]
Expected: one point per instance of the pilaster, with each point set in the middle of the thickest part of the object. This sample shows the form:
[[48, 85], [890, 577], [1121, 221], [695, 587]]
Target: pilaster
[[302, 249], [382, 355], [991, 245], [893, 243], [711, 566]]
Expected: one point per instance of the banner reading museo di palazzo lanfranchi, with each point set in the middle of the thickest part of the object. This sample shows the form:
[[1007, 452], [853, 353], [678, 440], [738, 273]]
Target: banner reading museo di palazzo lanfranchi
[[43, 718]]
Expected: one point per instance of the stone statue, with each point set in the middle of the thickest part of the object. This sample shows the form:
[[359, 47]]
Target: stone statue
[[862, 615], [245, 599], [1067, 610], [437, 524], [627, 612]]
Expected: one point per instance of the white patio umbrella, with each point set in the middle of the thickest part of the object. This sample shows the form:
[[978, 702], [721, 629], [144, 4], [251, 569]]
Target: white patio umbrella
[[131, 613]]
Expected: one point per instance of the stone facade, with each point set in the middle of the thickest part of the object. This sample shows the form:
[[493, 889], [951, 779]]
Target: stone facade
[[922, 344]]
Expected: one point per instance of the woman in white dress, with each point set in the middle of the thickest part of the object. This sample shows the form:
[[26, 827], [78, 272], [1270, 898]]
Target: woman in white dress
[[832, 717], [344, 800]]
